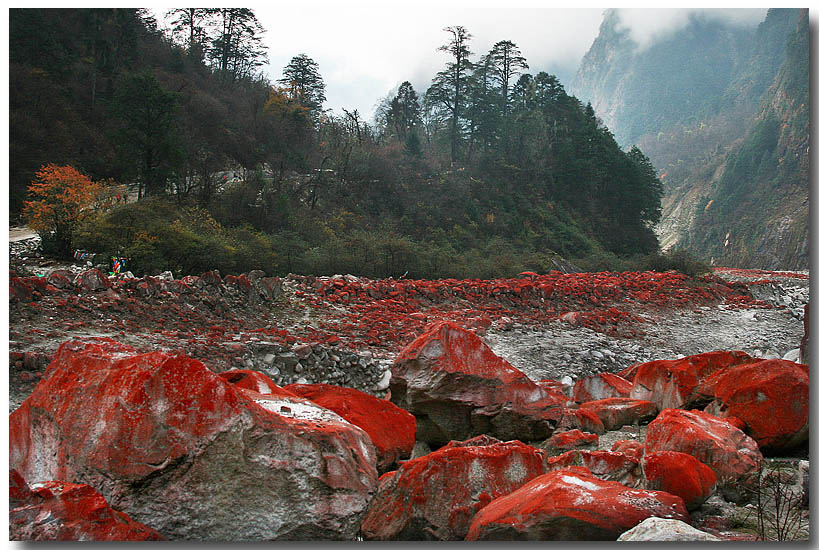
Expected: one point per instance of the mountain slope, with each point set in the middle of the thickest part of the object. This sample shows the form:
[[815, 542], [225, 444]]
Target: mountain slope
[[760, 201], [719, 107]]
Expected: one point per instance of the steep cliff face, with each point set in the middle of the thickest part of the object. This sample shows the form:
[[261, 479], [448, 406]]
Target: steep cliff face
[[760, 200], [722, 112]]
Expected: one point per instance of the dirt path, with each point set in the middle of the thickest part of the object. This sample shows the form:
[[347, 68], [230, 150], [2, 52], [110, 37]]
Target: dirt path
[[20, 234]]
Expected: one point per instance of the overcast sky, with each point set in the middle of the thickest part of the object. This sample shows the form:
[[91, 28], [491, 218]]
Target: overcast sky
[[366, 49]]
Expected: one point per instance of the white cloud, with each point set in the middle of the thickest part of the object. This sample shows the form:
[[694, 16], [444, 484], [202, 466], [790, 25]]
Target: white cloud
[[647, 25], [365, 48]]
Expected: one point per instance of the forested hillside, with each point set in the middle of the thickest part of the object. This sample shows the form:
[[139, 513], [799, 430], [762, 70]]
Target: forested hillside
[[490, 171], [721, 110]]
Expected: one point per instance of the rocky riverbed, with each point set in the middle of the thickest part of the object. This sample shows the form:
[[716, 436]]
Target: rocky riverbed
[[358, 326], [556, 328]]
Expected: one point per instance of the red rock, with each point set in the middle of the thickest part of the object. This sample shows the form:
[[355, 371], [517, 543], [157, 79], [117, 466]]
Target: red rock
[[554, 386], [601, 386], [177, 286], [629, 372], [616, 412], [457, 388], [255, 381], [607, 465], [675, 384], [571, 504], [19, 492], [771, 397], [573, 318], [733, 456], [302, 350], [59, 511], [391, 429], [630, 447], [172, 445], [19, 291], [91, 280], [60, 278], [211, 278], [679, 474], [572, 439], [243, 283], [269, 288], [581, 419], [435, 497]]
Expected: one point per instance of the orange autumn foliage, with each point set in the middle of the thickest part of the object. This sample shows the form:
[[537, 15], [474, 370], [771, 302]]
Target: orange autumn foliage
[[60, 196]]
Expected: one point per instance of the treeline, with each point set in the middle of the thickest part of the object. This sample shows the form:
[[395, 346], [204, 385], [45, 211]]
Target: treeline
[[490, 171]]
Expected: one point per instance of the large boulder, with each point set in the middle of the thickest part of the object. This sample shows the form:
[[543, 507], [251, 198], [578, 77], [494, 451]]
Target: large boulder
[[58, 511], [457, 388], [675, 384], [679, 474], [601, 386], [178, 448], [391, 428], [568, 440], [631, 447], [665, 530], [581, 419], [771, 397], [435, 497], [571, 504], [733, 456], [607, 465], [19, 290], [616, 412], [92, 280]]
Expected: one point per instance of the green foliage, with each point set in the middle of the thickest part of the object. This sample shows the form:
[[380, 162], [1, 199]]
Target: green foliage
[[155, 236], [676, 260]]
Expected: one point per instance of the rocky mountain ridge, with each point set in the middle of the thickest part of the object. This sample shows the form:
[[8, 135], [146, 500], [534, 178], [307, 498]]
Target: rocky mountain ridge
[[721, 111]]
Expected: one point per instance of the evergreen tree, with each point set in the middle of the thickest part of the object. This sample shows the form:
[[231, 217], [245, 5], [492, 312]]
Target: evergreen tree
[[147, 135], [305, 83], [448, 86]]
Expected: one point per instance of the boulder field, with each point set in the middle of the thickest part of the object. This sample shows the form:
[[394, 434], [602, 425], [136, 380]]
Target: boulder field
[[119, 443], [182, 450]]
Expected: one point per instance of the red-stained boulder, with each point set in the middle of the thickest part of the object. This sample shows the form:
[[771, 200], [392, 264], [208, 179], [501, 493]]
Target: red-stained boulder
[[256, 381], [733, 456], [58, 511], [211, 278], [601, 386], [572, 439], [61, 278], [607, 465], [630, 447], [91, 280], [616, 412], [269, 288], [20, 494], [180, 449], [19, 291], [679, 474], [581, 419], [391, 428], [628, 373], [571, 504], [771, 397], [435, 497], [457, 388], [675, 384]]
